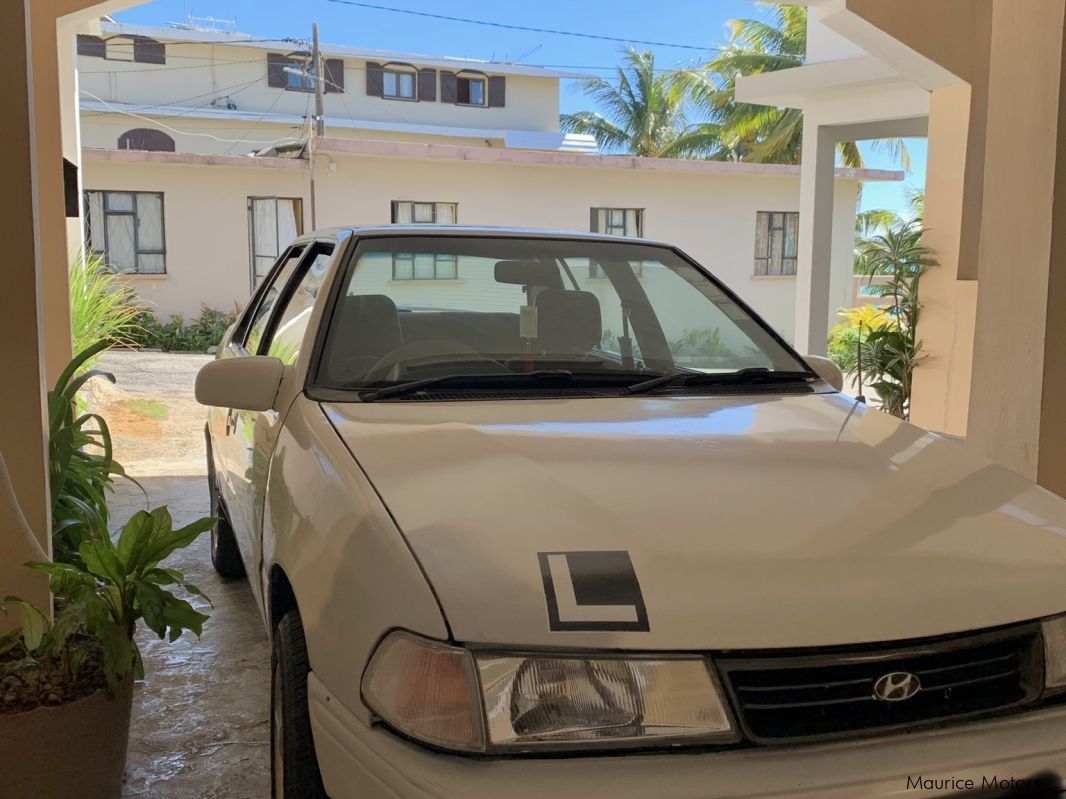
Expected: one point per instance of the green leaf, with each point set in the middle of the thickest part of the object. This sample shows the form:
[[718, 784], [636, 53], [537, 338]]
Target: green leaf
[[134, 539], [101, 560], [35, 623], [151, 602], [166, 542], [119, 654]]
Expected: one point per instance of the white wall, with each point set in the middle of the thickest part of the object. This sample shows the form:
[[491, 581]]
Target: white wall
[[206, 227], [710, 216]]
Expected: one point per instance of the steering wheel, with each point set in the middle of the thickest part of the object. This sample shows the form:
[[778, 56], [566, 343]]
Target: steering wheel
[[418, 351]]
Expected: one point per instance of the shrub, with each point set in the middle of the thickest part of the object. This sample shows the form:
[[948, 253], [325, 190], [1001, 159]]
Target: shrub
[[177, 335], [102, 306]]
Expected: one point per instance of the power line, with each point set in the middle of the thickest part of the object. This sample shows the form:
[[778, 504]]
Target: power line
[[185, 132], [213, 63], [529, 29]]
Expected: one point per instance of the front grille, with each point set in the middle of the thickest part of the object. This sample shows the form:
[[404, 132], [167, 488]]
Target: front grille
[[827, 693]]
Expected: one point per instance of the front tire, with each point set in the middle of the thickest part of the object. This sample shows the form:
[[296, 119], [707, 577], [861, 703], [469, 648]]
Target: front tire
[[225, 555], [294, 770]]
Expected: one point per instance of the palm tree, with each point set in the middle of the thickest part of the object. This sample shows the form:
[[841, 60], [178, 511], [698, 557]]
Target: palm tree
[[642, 113], [756, 132]]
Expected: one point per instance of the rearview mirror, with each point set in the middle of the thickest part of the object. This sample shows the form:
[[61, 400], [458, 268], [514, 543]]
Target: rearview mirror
[[826, 369], [247, 383]]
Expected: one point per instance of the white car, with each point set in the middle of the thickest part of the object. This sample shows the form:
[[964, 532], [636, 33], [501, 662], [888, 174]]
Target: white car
[[542, 514]]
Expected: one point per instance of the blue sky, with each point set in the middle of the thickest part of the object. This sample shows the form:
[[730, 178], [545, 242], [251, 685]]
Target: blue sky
[[697, 24]]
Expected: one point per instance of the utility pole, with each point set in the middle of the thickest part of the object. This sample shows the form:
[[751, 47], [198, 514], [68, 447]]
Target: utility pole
[[318, 77]]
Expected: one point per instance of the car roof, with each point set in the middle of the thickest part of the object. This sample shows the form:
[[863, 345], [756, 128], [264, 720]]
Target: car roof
[[334, 233]]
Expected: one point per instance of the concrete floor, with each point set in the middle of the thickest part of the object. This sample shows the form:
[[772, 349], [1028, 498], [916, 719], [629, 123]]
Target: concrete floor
[[200, 724]]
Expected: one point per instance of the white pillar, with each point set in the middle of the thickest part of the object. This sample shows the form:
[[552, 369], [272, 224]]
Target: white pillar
[[813, 267]]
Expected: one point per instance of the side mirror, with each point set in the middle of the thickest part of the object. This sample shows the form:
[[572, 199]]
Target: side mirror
[[826, 369], [247, 383]]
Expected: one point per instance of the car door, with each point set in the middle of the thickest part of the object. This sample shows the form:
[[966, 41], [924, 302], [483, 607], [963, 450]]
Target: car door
[[255, 432], [229, 458]]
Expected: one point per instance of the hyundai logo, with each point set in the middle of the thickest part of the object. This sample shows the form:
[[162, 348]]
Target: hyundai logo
[[896, 686]]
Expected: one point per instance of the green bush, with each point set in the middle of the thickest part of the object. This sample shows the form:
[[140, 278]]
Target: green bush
[[102, 307], [178, 335]]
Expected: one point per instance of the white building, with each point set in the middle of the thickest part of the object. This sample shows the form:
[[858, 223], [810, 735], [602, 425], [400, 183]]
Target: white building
[[170, 119]]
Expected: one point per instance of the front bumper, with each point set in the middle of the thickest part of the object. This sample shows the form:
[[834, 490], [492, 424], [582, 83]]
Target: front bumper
[[370, 762]]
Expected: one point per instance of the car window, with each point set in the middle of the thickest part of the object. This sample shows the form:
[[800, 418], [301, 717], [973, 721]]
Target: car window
[[413, 307], [289, 322], [268, 297]]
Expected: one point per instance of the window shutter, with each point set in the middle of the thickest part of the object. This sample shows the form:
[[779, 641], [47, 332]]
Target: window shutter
[[375, 79], [449, 87], [334, 74], [427, 85], [91, 46], [276, 76], [497, 91], [594, 220], [149, 51]]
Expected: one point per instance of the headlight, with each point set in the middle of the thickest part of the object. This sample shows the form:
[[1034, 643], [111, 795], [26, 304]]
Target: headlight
[[1054, 631], [567, 701], [448, 697]]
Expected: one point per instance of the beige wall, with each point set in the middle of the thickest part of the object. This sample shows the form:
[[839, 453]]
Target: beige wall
[[1016, 404], [711, 217], [240, 73], [206, 226], [942, 384], [229, 137]]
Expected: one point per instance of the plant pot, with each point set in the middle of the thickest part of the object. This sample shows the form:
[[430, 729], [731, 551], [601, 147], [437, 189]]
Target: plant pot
[[77, 749]]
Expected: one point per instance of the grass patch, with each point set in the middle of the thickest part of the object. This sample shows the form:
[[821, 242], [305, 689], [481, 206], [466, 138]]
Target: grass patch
[[149, 408]]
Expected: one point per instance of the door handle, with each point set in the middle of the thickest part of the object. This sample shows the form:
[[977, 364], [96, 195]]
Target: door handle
[[231, 422]]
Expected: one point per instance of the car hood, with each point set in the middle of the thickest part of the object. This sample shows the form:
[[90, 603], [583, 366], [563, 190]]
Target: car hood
[[745, 522]]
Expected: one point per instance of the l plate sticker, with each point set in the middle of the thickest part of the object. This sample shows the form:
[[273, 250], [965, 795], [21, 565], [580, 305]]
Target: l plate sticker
[[592, 591]]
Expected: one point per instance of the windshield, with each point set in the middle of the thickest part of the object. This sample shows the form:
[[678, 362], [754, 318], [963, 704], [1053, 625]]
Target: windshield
[[424, 307]]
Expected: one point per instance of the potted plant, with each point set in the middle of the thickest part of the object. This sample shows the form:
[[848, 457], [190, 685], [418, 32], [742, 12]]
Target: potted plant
[[66, 685]]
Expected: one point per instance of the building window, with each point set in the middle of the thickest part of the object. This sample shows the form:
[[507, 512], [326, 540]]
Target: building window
[[424, 266], [776, 237], [125, 228], [406, 212], [476, 90], [146, 139], [618, 221], [273, 223], [398, 85], [470, 91]]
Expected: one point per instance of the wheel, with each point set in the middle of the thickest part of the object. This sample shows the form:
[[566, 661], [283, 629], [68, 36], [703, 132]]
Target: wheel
[[225, 556], [293, 765]]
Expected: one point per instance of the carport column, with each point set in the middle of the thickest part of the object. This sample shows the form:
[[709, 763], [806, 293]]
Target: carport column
[[1018, 387], [815, 238], [22, 412]]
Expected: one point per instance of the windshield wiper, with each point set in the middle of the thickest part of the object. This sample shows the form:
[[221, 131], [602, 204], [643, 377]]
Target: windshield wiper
[[411, 386], [749, 376]]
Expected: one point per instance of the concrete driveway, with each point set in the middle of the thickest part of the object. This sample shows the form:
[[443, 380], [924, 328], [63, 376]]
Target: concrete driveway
[[201, 717]]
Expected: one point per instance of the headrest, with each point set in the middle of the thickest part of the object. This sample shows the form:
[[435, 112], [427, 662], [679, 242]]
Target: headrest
[[568, 321], [366, 324], [529, 273]]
